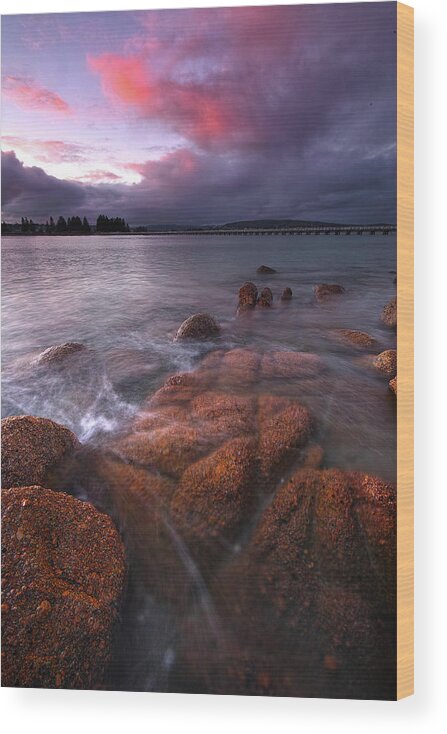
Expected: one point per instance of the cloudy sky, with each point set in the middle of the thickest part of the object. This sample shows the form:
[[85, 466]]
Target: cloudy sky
[[201, 116]]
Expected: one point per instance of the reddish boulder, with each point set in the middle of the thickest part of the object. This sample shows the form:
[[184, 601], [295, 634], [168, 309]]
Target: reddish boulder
[[266, 298], [31, 447], [287, 294], [284, 427], [386, 363], [214, 498], [393, 385], [248, 297], [323, 291], [58, 354], [308, 608], [389, 313], [63, 574], [359, 338], [199, 326]]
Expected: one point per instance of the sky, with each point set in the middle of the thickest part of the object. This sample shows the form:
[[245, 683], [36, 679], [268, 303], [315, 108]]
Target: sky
[[201, 116]]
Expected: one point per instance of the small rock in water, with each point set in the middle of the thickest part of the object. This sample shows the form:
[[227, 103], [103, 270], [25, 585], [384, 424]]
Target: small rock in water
[[359, 338], [386, 363], [248, 297], [31, 447], [393, 385], [198, 326], [265, 269], [266, 298], [389, 313], [286, 294], [57, 354], [325, 290]]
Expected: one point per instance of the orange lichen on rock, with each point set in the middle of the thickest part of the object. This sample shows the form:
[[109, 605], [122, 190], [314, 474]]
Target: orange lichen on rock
[[386, 363], [31, 447], [63, 574], [214, 497]]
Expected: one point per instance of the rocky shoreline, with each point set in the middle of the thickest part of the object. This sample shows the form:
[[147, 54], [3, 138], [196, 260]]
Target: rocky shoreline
[[219, 489]]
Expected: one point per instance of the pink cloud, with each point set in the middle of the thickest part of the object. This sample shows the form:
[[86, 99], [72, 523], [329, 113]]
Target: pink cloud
[[194, 110], [29, 94]]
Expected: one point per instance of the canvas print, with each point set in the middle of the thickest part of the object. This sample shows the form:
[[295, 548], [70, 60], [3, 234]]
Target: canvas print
[[199, 350]]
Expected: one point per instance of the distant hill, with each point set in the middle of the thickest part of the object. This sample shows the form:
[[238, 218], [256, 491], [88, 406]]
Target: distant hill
[[287, 224]]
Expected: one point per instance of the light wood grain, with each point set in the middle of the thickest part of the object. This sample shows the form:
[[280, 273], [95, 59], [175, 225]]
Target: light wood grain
[[405, 351]]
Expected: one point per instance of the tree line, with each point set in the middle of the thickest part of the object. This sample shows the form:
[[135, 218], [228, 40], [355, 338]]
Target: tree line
[[71, 225]]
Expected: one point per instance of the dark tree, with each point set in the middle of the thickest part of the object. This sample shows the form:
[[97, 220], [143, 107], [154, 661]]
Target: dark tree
[[61, 226], [85, 226]]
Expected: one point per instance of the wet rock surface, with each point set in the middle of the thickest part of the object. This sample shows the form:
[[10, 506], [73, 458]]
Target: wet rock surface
[[393, 385], [266, 298], [60, 353], [63, 575], [248, 297], [324, 291], [386, 363], [311, 597], [266, 270], [286, 294], [389, 313], [198, 326], [31, 447], [357, 338]]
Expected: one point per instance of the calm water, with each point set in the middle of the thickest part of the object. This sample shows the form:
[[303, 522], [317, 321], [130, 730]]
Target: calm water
[[125, 297]]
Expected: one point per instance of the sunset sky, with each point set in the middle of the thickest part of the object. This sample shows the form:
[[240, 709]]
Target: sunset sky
[[201, 116]]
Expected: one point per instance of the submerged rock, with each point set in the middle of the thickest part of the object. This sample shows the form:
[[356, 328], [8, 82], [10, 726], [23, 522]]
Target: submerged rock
[[58, 354], [323, 291], [287, 294], [265, 269], [198, 326], [248, 297], [214, 497], [290, 364], [31, 447], [359, 338], [389, 313], [301, 604], [284, 426], [266, 298], [63, 574], [386, 363]]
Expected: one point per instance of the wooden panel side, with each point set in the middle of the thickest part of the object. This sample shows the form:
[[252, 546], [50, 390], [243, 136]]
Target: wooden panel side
[[405, 352]]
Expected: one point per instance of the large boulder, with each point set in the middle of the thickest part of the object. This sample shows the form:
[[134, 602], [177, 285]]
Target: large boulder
[[198, 326], [63, 573], [389, 313], [265, 270], [31, 447], [284, 427], [323, 291], [386, 363], [248, 297], [56, 355], [266, 298]]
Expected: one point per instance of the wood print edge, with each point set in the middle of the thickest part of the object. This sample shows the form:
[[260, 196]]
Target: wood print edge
[[405, 351]]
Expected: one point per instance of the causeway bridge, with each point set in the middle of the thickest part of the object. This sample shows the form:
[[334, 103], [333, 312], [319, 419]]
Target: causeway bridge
[[259, 232]]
